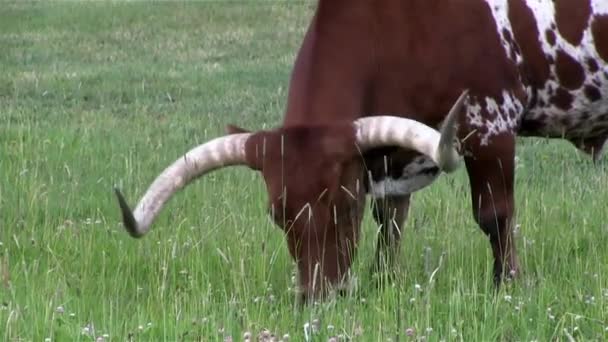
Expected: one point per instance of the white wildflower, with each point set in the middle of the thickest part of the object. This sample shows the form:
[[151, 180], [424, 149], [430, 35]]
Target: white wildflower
[[307, 331]]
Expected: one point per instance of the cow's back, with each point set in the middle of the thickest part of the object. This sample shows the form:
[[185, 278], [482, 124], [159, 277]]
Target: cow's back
[[407, 58], [413, 57]]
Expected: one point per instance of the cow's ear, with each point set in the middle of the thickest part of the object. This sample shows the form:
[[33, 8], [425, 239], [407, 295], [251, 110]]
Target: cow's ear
[[233, 129]]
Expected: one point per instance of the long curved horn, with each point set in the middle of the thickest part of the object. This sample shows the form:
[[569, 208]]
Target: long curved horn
[[217, 153], [377, 131]]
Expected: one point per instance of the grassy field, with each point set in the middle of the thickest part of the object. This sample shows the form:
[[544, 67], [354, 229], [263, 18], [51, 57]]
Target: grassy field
[[94, 94]]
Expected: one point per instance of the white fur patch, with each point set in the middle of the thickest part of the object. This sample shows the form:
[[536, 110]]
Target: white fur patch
[[599, 6], [583, 116], [416, 175], [555, 121], [493, 118]]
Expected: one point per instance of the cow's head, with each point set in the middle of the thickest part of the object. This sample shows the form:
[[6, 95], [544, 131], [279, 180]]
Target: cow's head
[[313, 177]]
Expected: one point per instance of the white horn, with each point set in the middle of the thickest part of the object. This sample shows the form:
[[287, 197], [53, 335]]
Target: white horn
[[217, 153], [378, 131]]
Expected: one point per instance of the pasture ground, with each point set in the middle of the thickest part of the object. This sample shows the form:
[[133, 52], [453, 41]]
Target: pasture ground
[[94, 94]]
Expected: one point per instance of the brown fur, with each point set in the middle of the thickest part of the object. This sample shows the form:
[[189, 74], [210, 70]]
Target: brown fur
[[388, 70], [410, 58], [362, 57], [570, 73], [600, 35], [313, 183], [571, 18]]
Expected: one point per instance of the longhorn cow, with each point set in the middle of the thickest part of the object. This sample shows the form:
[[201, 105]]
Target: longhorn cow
[[372, 83]]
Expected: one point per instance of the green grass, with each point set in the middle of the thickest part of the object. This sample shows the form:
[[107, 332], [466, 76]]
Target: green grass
[[94, 94]]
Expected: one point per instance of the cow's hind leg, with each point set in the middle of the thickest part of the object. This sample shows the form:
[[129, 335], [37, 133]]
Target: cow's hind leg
[[390, 214], [491, 174]]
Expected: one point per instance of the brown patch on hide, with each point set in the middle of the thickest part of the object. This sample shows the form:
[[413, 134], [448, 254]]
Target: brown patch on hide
[[550, 36], [592, 64], [592, 93], [599, 30], [507, 36], [569, 71], [562, 99], [571, 18], [527, 36]]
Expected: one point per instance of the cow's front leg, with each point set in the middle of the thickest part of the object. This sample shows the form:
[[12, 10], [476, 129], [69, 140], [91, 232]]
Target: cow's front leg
[[491, 174], [390, 214]]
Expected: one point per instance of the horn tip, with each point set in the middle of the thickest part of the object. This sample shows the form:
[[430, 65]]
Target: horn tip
[[463, 95], [128, 219]]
